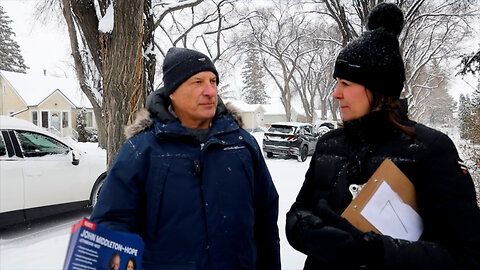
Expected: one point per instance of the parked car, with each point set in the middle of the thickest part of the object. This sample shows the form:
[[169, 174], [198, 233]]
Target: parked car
[[42, 174], [326, 126], [290, 139]]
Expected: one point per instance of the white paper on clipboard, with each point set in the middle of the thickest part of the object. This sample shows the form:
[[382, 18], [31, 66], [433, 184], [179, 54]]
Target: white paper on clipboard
[[391, 216]]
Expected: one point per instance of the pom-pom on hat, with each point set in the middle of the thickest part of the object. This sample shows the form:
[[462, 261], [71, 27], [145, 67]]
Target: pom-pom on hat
[[181, 64], [374, 59]]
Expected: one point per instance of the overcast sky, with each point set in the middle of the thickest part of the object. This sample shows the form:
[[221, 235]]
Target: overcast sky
[[45, 46]]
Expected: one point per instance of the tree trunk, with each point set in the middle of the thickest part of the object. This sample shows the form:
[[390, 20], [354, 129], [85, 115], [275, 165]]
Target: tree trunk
[[81, 74], [123, 71]]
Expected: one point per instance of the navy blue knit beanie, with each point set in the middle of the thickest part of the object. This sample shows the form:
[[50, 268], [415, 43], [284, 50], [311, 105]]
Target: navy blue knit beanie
[[374, 59], [180, 64]]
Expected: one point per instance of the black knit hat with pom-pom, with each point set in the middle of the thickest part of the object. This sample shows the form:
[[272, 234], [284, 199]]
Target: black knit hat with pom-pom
[[374, 59]]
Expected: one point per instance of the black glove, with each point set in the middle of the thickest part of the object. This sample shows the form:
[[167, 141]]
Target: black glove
[[307, 233], [367, 248], [333, 219]]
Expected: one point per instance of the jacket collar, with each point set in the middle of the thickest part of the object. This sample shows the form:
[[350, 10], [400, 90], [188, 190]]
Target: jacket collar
[[372, 128]]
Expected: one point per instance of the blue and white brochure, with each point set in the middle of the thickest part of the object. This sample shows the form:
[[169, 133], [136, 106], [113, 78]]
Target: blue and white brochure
[[93, 246]]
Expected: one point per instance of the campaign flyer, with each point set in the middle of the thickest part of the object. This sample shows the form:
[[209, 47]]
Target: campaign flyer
[[93, 246]]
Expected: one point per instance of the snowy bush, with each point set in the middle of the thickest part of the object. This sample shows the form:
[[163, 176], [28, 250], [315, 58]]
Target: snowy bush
[[470, 153], [85, 134]]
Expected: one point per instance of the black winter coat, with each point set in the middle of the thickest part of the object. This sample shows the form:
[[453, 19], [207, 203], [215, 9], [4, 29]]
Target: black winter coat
[[445, 192]]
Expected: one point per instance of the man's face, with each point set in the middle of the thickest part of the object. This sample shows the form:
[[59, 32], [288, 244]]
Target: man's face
[[195, 100], [116, 263]]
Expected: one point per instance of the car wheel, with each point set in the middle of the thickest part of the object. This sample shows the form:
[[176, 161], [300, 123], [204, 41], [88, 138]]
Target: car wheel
[[323, 130], [96, 190], [303, 154], [269, 154]]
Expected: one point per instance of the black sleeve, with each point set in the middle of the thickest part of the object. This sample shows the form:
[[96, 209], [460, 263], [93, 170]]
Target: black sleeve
[[304, 205], [447, 204]]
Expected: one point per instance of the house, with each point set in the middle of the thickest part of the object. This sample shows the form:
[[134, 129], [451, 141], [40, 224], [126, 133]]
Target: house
[[274, 113], [49, 102], [252, 114]]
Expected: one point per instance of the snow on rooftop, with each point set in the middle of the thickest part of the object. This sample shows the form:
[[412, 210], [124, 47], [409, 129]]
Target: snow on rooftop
[[243, 106], [274, 109], [35, 88]]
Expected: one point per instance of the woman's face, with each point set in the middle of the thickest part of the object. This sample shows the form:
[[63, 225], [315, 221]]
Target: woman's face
[[354, 99], [130, 265]]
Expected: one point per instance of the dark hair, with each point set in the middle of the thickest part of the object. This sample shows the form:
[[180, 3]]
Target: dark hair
[[131, 259], [397, 112]]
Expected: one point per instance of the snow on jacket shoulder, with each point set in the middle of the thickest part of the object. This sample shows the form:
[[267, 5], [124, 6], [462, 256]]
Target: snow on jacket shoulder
[[197, 205]]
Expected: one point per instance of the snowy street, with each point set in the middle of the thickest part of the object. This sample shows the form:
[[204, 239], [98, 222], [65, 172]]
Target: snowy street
[[43, 244]]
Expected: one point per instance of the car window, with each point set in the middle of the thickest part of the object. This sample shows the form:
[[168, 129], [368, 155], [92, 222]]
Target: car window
[[308, 130], [281, 129], [37, 145], [302, 131], [3, 149]]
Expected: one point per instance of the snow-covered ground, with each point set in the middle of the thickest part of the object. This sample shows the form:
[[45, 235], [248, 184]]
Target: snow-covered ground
[[44, 246]]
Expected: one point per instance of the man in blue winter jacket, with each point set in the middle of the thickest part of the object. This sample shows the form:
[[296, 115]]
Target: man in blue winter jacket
[[190, 181]]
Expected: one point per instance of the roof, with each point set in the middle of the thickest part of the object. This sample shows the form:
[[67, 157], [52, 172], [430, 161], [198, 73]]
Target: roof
[[274, 109], [34, 89], [243, 106]]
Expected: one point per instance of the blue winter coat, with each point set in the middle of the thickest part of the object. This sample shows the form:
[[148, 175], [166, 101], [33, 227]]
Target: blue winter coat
[[197, 205]]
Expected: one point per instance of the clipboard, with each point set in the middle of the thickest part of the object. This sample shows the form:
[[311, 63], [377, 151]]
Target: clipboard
[[390, 173]]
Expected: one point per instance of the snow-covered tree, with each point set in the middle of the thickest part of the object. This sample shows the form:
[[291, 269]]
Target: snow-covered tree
[[112, 48], [10, 57], [475, 107], [81, 125], [470, 63], [253, 74], [465, 116], [279, 33], [437, 106], [433, 31]]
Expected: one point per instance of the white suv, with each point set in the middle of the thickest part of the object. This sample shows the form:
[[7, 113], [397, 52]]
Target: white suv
[[42, 174]]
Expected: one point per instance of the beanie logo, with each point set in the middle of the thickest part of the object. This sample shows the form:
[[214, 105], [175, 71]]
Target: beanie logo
[[202, 59]]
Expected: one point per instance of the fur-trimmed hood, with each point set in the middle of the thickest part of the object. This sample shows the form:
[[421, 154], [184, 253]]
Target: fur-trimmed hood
[[158, 106]]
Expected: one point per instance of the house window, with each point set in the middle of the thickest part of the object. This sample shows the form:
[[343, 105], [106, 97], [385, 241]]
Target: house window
[[35, 118], [89, 118], [45, 119], [65, 119]]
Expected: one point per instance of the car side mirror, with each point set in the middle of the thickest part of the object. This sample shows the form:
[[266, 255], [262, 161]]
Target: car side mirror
[[75, 161]]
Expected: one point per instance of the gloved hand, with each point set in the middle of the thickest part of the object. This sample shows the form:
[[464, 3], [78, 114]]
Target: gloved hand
[[307, 233], [367, 248], [333, 219]]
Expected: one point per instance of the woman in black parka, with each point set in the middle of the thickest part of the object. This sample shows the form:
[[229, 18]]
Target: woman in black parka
[[370, 75]]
